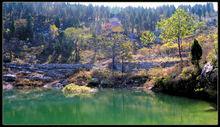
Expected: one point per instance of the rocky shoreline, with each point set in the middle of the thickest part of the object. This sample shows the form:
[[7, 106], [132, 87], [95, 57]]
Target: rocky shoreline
[[39, 75], [57, 76], [199, 86]]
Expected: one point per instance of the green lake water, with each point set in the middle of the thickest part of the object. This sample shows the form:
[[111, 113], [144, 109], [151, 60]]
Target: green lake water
[[107, 106]]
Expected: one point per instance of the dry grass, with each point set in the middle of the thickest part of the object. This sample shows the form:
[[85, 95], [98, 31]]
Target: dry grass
[[160, 72], [27, 82], [138, 58], [141, 73], [145, 51], [80, 78], [152, 51], [20, 74], [86, 56], [18, 61], [166, 59]]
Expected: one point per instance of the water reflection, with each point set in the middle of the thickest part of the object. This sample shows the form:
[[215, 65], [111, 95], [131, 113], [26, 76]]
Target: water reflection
[[104, 107]]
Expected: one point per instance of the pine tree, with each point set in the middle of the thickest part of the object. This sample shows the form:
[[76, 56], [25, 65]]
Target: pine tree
[[196, 53]]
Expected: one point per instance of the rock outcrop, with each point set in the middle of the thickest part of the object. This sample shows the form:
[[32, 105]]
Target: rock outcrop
[[9, 77], [38, 75]]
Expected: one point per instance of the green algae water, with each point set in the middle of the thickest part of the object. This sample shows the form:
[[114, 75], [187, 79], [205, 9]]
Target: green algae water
[[107, 106]]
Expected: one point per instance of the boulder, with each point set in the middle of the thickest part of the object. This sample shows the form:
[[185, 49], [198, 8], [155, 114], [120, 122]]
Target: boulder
[[64, 82], [40, 78], [94, 82], [209, 76], [214, 75], [51, 84], [9, 77], [207, 68], [104, 81], [7, 86], [63, 66], [23, 73], [57, 85]]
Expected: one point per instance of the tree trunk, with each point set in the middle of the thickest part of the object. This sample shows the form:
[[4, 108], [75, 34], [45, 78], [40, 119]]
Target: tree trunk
[[132, 29], [179, 43], [75, 46], [198, 67], [94, 57], [10, 55], [53, 56], [134, 48], [200, 18], [122, 65], [137, 30], [179, 48], [76, 51], [113, 57]]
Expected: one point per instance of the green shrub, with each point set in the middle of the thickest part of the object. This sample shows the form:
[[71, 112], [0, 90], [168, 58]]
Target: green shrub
[[163, 81], [158, 81], [72, 90], [187, 72], [167, 79], [212, 57]]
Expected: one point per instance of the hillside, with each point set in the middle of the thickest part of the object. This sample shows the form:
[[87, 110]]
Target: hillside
[[106, 47]]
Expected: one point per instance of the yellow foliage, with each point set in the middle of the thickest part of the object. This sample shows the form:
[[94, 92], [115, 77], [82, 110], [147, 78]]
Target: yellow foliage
[[202, 39], [169, 47], [212, 56], [186, 45], [72, 90], [72, 32], [145, 51], [147, 37], [187, 72], [54, 30], [126, 49], [117, 29]]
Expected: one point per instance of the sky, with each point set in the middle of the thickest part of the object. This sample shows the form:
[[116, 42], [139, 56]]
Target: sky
[[144, 4]]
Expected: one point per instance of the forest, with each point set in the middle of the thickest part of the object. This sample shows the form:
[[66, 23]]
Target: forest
[[80, 49]]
